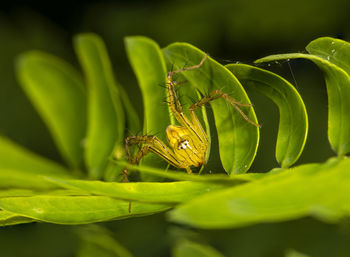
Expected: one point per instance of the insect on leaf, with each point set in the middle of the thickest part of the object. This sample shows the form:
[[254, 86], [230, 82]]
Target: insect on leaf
[[238, 139]]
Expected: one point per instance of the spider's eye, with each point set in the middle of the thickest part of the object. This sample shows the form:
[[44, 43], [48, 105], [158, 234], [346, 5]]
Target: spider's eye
[[183, 145]]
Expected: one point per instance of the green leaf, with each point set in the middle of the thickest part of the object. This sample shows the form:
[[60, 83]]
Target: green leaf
[[19, 179], [318, 190], [238, 139], [176, 175], [147, 62], [98, 241], [338, 89], [167, 192], [56, 90], [149, 67], [187, 248], [331, 49], [293, 124], [9, 219], [74, 210], [132, 119], [105, 114], [19, 164]]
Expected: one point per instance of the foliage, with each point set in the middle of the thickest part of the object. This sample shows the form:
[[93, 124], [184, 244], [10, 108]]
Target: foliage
[[88, 124]]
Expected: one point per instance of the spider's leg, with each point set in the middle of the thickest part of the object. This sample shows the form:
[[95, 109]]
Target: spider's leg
[[171, 73], [218, 94], [175, 105], [150, 144]]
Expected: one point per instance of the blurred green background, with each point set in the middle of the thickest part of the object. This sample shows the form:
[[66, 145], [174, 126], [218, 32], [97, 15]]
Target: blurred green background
[[230, 31]]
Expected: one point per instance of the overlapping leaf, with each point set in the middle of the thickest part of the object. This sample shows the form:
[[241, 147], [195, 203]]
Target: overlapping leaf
[[324, 53], [167, 192], [238, 139], [76, 209], [21, 168], [149, 67], [105, 113], [293, 124], [56, 90], [320, 190]]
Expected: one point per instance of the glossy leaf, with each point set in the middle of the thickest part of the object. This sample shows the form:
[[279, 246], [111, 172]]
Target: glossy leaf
[[167, 192], [56, 90], [331, 49], [238, 139], [187, 248], [20, 160], [105, 114], [149, 67], [19, 179], [319, 190], [147, 62], [9, 219], [176, 175], [76, 209], [293, 123], [338, 89]]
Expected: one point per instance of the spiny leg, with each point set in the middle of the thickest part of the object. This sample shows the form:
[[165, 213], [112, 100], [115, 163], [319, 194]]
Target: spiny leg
[[151, 144], [174, 102], [218, 94], [176, 107], [171, 73]]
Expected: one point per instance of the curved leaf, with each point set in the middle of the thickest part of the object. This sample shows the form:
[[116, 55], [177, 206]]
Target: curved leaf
[[9, 219], [76, 209], [56, 90], [105, 113], [338, 89], [149, 67], [334, 50], [293, 124], [238, 139], [318, 190], [16, 158], [166, 192], [175, 175], [147, 62]]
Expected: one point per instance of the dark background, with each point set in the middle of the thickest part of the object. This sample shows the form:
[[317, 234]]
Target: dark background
[[229, 31]]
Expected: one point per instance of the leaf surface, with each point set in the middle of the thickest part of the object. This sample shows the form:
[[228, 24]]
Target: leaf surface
[[75, 210], [319, 190], [105, 112], [56, 90], [9, 219], [16, 161], [293, 123], [338, 90], [166, 192], [238, 139]]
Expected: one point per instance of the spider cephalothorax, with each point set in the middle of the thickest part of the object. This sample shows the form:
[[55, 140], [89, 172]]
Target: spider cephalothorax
[[188, 142]]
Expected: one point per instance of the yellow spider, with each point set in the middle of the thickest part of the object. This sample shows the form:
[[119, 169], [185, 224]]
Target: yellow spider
[[188, 142]]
